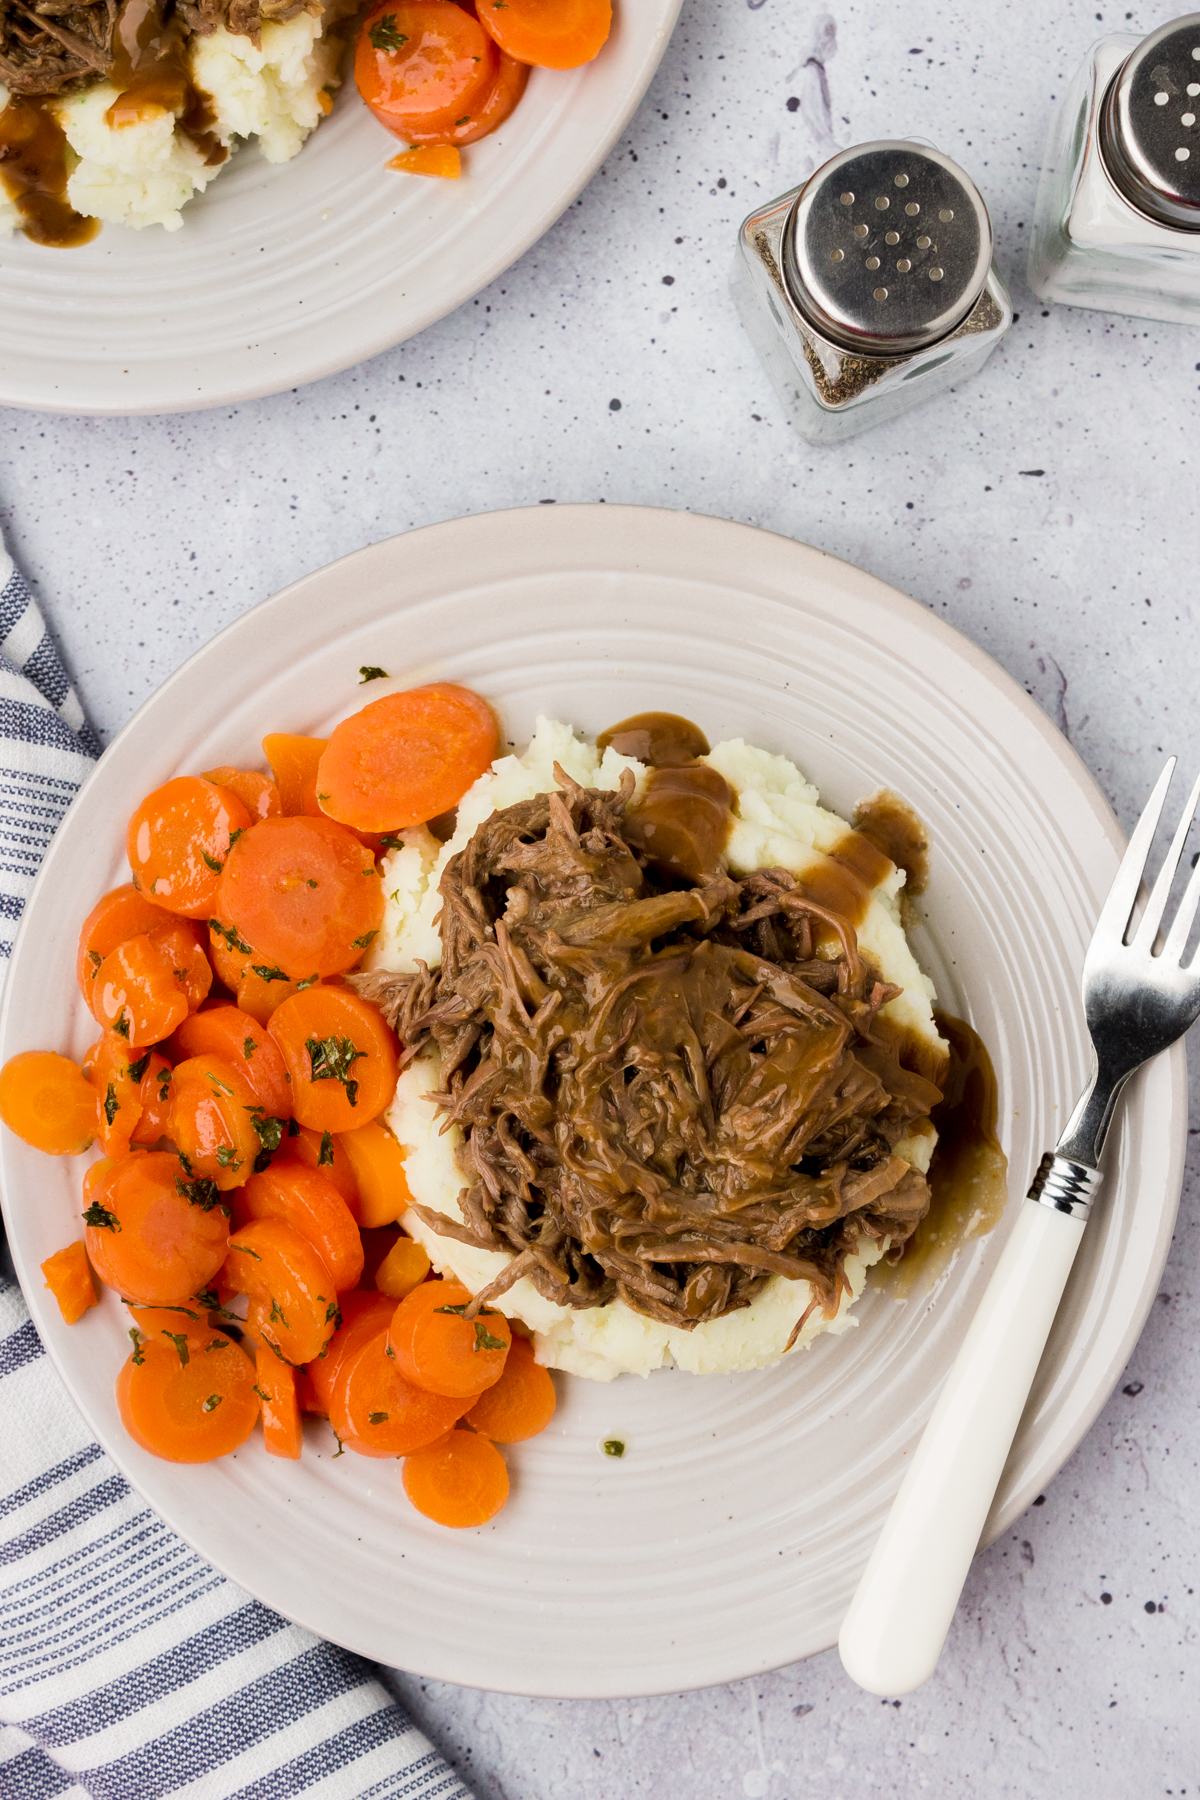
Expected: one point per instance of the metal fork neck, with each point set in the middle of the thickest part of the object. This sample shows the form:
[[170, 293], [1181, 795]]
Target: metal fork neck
[[1068, 1177]]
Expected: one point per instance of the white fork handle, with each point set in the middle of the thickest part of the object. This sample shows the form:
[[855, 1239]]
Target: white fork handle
[[893, 1634]]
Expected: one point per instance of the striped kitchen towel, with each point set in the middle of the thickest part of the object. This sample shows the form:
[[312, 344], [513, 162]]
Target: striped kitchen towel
[[129, 1668]]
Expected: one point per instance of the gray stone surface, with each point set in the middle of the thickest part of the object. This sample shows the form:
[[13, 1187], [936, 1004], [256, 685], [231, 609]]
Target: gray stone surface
[[1047, 510]]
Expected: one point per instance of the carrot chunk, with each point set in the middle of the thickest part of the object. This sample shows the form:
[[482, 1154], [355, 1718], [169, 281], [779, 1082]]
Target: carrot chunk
[[153, 1097], [484, 117], [375, 1411], [154, 1233], [442, 160], [438, 1349], [121, 914], [378, 1164], [231, 1034], [293, 1307], [305, 893], [118, 1076], [293, 763], [257, 792], [325, 1152], [364, 1315], [459, 1481], [520, 1404], [69, 1277], [341, 1055], [407, 757], [403, 1268], [422, 64], [191, 1400], [304, 1199], [213, 1120], [283, 1434], [46, 1100], [551, 34], [178, 840]]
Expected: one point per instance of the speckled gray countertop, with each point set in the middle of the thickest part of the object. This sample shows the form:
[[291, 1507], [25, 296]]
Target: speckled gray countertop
[[1047, 510]]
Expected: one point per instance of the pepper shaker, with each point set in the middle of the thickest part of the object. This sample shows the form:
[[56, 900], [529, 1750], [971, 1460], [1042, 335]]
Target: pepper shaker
[[1117, 224], [871, 287]]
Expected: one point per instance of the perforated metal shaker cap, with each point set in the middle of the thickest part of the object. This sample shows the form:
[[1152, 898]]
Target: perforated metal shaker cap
[[887, 248], [1149, 135]]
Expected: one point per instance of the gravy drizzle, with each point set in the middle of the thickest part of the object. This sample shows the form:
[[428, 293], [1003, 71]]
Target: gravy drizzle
[[34, 167]]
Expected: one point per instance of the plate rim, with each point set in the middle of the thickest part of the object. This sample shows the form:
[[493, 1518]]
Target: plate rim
[[557, 526]]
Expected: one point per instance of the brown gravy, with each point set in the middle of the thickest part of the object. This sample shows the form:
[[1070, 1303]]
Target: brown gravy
[[663, 740], [34, 170], [894, 828], [682, 819], [968, 1177]]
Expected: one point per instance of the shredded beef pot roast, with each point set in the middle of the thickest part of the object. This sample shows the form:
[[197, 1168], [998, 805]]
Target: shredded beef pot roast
[[666, 1096], [54, 47]]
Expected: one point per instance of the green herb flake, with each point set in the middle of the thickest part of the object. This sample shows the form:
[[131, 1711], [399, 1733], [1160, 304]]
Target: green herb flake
[[262, 1394], [219, 1085], [331, 1059], [484, 1339], [199, 1191], [361, 943], [268, 974], [390, 841], [248, 1048], [277, 1315], [333, 1311], [246, 1251], [212, 862], [179, 1339], [164, 1086], [95, 958], [465, 120], [135, 1338], [207, 1299], [212, 1403], [100, 1218], [235, 835], [341, 1448], [112, 1105], [268, 1127], [138, 1069], [230, 934], [369, 671], [121, 1026], [376, 1418], [228, 1158], [613, 1447], [311, 882], [309, 981], [325, 1153]]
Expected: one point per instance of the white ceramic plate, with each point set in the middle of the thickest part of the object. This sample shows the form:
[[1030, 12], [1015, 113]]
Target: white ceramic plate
[[283, 274], [730, 1537]]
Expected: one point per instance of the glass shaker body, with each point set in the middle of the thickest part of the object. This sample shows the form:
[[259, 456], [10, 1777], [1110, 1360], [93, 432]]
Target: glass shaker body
[[1091, 246], [833, 388]]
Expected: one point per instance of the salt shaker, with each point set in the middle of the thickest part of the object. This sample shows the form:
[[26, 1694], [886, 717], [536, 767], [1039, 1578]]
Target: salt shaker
[[1117, 224], [871, 287]]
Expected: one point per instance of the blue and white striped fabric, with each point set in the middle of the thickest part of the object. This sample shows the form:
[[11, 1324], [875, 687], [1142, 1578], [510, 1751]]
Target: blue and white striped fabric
[[129, 1668]]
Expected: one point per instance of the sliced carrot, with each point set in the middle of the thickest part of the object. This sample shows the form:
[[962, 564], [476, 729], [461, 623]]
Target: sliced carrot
[[375, 1411], [188, 1401], [136, 993], [214, 1115], [229, 954], [341, 1055], [48, 1102], [521, 1403], [551, 34], [69, 1277], [178, 840], [227, 1032], [293, 1306], [293, 763], [438, 1349], [261, 990], [378, 1164], [422, 64], [407, 757], [155, 1234], [257, 792], [459, 1481], [483, 118], [442, 160], [364, 1315], [121, 914], [181, 942], [325, 1152], [115, 1072], [403, 1268], [304, 1199], [283, 1434], [305, 893]]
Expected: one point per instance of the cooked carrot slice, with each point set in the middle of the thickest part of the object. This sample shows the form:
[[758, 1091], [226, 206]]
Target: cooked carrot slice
[[124, 913], [442, 160], [69, 1277], [551, 34], [154, 1233], [521, 1403], [293, 1306], [438, 1349], [46, 1099], [229, 954], [364, 1316], [214, 1115], [325, 1152], [375, 1411], [305, 893], [188, 1401], [257, 792], [403, 1268], [135, 992], [378, 1164], [407, 757], [116, 1075], [231, 1034], [304, 1199], [484, 117], [283, 1434], [341, 1055], [459, 1481], [293, 763], [178, 840], [259, 993], [181, 942], [422, 64]]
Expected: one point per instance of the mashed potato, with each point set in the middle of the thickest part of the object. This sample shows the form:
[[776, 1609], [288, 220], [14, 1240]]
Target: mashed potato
[[778, 822]]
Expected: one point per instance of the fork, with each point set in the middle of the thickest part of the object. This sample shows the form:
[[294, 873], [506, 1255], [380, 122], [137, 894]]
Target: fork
[[1138, 1000]]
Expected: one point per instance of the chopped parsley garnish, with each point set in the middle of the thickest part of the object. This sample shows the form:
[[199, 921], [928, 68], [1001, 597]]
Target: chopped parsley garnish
[[220, 1086], [361, 943], [268, 974], [230, 934], [121, 1026], [100, 1218], [369, 671], [484, 1339], [112, 1105], [246, 1251], [390, 841], [333, 1311], [95, 958], [212, 1403], [212, 862], [164, 1085], [613, 1447], [309, 981], [198, 1190], [139, 1355], [179, 1339], [261, 1392], [376, 1418], [248, 1048], [341, 1448], [331, 1059], [278, 1316], [235, 835], [138, 1069], [207, 1299], [228, 1158], [325, 1153], [270, 1136]]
